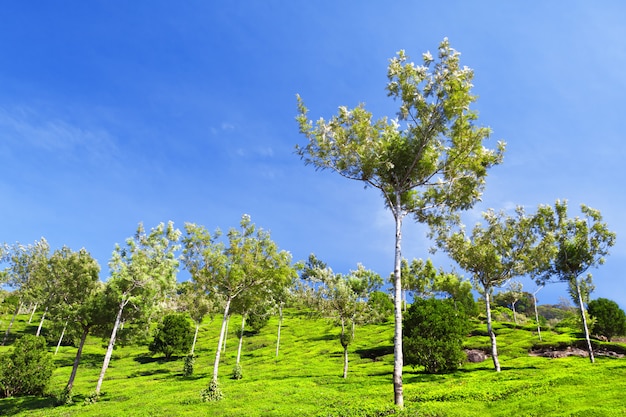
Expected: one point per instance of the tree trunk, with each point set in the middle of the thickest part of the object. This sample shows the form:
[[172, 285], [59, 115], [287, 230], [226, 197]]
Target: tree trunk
[[30, 319], [584, 319], [43, 317], [492, 335], [514, 312], [345, 350], [6, 334], [398, 360], [109, 353], [243, 325], [225, 334], [60, 339], [280, 323], [537, 313], [195, 337], [221, 340], [79, 352]]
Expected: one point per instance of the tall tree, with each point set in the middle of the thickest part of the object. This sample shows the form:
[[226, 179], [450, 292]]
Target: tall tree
[[142, 273], [26, 264], [249, 262], [579, 245], [76, 276], [429, 162], [504, 248]]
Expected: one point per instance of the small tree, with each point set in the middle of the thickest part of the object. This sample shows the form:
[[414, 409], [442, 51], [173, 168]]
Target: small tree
[[610, 319], [27, 369], [173, 335], [579, 245], [434, 330]]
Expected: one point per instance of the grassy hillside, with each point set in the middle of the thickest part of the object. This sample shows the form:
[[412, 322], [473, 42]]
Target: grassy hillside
[[306, 380]]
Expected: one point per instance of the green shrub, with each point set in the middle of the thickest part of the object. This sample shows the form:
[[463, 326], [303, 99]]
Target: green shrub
[[434, 331], [212, 393], [610, 320], [188, 365], [237, 372], [27, 369], [173, 335]]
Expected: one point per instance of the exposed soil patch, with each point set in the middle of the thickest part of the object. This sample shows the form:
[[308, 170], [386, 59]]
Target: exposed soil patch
[[572, 351]]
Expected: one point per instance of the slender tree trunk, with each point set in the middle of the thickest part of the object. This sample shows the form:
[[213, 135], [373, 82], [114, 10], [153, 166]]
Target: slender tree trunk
[[79, 352], [109, 353], [345, 350], [6, 334], [584, 319], [514, 312], [43, 317], [60, 339], [492, 335], [221, 340], [280, 323], [537, 313], [398, 360], [30, 319], [225, 334], [243, 325], [195, 337]]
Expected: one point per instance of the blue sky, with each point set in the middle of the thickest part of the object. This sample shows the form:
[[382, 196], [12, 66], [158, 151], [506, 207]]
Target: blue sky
[[113, 112]]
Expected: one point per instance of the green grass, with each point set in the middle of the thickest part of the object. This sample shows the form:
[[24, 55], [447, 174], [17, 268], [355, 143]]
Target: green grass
[[306, 380]]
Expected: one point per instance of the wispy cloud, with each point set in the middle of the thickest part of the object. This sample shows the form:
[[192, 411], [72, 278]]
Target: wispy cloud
[[26, 127]]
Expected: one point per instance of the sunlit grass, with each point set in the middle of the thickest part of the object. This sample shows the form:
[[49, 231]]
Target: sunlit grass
[[305, 379]]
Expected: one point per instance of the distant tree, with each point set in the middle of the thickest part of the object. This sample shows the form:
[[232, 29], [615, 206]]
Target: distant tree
[[504, 248], [380, 307], [174, 334], [610, 320], [434, 330], [22, 275], [341, 297], [579, 244], [510, 297], [27, 369], [250, 261], [197, 302], [142, 273], [429, 162]]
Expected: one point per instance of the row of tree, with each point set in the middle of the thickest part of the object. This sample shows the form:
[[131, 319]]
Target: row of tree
[[243, 274]]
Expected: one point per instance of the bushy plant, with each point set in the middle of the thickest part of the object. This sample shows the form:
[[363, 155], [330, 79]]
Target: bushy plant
[[27, 369], [433, 335], [380, 306], [237, 372], [610, 320], [173, 335], [188, 365], [212, 393]]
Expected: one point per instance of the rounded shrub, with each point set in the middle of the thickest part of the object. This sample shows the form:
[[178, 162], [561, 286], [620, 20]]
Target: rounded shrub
[[433, 335], [27, 369], [173, 335]]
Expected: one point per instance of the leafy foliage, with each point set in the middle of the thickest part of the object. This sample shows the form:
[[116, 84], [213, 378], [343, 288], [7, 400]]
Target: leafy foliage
[[188, 365], [434, 331], [610, 319], [173, 335], [27, 369]]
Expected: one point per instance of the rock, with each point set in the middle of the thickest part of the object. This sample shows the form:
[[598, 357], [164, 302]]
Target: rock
[[475, 355]]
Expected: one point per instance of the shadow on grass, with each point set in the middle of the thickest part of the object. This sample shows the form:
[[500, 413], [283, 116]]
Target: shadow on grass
[[376, 353], [159, 359], [15, 405], [86, 360], [152, 372]]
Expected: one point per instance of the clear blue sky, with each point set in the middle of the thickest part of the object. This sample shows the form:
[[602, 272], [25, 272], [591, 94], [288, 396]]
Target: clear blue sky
[[115, 112]]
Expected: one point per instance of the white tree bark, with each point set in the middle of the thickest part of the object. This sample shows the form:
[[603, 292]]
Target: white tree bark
[[492, 335], [60, 339], [216, 365], [280, 323], [32, 313], [43, 317], [537, 312], [109, 352], [243, 325], [195, 337], [584, 319], [398, 360]]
